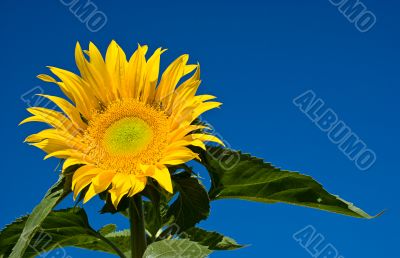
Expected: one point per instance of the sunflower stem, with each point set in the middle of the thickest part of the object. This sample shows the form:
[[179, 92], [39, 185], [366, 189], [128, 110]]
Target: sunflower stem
[[138, 231]]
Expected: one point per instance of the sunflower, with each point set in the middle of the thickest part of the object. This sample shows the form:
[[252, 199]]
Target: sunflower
[[119, 123]]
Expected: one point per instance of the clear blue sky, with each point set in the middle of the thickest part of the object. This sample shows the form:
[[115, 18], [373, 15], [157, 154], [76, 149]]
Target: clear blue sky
[[256, 56]]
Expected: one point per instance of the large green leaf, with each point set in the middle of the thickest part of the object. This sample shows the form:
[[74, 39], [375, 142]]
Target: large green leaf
[[192, 204], [55, 194], [69, 227], [214, 240], [241, 176], [172, 248]]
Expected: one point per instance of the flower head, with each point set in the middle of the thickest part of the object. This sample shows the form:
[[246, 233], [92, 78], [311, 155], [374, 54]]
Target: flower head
[[119, 123]]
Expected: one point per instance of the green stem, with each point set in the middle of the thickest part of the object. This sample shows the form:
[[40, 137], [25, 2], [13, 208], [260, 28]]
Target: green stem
[[138, 231]]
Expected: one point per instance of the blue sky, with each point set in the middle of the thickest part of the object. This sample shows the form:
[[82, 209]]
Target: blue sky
[[256, 56]]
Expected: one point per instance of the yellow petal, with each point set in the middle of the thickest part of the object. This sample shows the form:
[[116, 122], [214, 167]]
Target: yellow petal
[[82, 172], [137, 185], [90, 74], [163, 177], [46, 78], [89, 194], [50, 146], [198, 143], [71, 162], [77, 90], [116, 64], [67, 153], [103, 180], [207, 137], [96, 59], [83, 177], [151, 78], [63, 137], [99, 184], [170, 78], [205, 107], [53, 118], [68, 109], [135, 73], [121, 184], [184, 129], [178, 156]]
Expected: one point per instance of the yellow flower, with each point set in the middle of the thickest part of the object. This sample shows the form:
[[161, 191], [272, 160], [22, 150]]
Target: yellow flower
[[120, 124]]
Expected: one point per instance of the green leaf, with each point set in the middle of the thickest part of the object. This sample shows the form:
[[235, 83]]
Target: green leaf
[[54, 195], [69, 227], [107, 229], [121, 239], [152, 209], [152, 217], [172, 248], [192, 204], [241, 176], [214, 240]]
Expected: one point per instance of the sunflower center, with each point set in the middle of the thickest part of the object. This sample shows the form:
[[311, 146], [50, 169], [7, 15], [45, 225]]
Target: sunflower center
[[127, 136]]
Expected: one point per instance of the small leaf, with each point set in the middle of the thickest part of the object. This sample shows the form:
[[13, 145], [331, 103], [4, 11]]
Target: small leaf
[[241, 176], [54, 195], [107, 229], [172, 248], [192, 204], [214, 240], [121, 239]]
